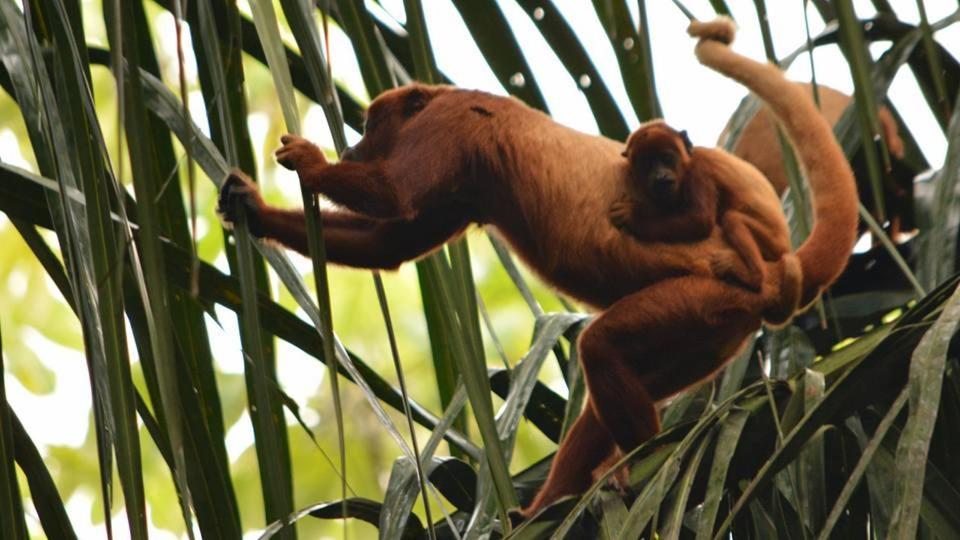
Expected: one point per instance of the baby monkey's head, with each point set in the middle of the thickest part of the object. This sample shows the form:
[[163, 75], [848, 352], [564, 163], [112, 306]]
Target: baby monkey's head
[[659, 156]]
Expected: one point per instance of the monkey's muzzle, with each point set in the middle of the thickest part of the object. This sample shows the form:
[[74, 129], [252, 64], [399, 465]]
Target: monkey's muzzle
[[663, 185]]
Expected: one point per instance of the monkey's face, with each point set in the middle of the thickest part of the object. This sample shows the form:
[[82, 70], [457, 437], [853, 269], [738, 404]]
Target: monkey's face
[[659, 176], [385, 118], [658, 155]]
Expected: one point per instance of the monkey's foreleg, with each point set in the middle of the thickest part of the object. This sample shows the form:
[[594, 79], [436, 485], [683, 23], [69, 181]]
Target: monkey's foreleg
[[351, 239], [359, 186]]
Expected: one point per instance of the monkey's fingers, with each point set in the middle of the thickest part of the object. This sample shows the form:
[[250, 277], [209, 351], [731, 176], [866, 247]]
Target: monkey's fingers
[[239, 194], [721, 29], [298, 152], [620, 214]]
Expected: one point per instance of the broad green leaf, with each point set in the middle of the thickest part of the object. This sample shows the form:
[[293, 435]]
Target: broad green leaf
[[212, 491], [13, 525], [66, 210], [418, 466], [676, 512], [855, 49], [862, 465], [305, 32], [613, 510], [727, 439], [653, 494], [273, 455], [98, 260], [493, 35], [453, 289], [941, 237], [355, 507], [852, 388], [406, 480], [147, 264], [559, 35], [523, 378], [633, 51], [51, 510], [926, 377], [810, 467]]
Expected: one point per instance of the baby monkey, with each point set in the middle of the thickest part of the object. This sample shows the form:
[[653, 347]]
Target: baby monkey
[[676, 192]]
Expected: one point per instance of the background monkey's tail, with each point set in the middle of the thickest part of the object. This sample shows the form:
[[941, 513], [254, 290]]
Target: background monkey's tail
[[825, 252]]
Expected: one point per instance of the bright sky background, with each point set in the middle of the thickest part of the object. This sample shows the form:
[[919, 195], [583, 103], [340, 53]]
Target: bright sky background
[[693, 98]]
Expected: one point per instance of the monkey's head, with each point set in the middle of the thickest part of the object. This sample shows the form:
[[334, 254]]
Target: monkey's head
[[386, 116], [659, 156]]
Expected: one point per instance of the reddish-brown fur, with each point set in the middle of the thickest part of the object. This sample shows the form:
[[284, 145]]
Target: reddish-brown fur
[[759, 146], [758, 140], [435, 159], [711, 187], [419, 177]]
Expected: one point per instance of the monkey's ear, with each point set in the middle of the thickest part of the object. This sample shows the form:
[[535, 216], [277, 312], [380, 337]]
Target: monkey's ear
[[415, 101], [686, 140]]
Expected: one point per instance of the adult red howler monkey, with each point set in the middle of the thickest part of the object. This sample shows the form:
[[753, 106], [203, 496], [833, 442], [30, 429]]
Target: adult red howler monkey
[[677, 192], [434, 159], [702, 323]]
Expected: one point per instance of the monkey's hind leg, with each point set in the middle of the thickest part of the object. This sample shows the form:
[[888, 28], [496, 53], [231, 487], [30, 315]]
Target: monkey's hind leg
[[585, 446], [741, 238], [658, 341], [643, 349]]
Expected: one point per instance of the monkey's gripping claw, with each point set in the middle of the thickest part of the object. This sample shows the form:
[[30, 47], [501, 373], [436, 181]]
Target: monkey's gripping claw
[[239, 194]]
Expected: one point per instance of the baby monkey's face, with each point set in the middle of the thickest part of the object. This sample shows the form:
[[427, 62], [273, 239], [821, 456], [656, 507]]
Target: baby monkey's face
[[658, 155], [658, 176], [656, 172]]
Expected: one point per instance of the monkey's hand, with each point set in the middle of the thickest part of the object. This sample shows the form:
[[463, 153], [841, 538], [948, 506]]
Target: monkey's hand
[[621, 213], [728, 265], [299, 154], [239, 194], [721, 29]]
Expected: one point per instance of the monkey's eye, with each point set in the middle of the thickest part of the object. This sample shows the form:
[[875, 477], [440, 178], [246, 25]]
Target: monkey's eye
[[668, 159]]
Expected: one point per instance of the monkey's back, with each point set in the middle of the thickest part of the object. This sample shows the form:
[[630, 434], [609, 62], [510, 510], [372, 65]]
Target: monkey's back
[[748, 190], [549, 194]]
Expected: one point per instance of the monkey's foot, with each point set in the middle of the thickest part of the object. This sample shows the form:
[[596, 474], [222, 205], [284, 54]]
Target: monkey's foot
[[782, 291], [728, 265], [721, 29], [298, 154], [239, 194], [620, 479]]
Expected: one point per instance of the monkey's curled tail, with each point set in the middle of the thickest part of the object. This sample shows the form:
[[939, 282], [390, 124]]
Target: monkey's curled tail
[[825, 252]]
